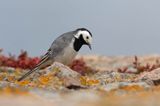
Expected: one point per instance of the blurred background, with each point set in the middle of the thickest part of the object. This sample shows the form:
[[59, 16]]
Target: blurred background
[[119, 27]]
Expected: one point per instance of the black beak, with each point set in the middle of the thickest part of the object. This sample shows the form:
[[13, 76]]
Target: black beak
[[89, 45]]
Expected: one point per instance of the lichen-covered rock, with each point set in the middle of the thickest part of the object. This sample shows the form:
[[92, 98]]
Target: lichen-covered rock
[[63, 72], [152, 77], [126, 86], [106, 87], [106, 77]]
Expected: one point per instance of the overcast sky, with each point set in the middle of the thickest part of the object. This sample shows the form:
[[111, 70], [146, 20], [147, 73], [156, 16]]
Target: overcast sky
[[119, 27]]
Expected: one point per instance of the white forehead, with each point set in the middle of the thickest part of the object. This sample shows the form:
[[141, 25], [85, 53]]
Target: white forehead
[[84, 33]]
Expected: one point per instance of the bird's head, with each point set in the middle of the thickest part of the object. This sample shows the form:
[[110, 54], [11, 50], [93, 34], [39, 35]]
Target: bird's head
[[83, 37]]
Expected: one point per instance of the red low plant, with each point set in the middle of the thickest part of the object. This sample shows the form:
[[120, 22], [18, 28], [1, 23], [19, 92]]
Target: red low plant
[[141, 68], [80, 66], [25, 62], [22, 61]]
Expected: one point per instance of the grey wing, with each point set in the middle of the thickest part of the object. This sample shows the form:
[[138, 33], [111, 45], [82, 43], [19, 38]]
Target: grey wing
[[60, 43]]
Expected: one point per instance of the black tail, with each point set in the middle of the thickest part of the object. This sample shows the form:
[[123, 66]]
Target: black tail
[[27, 74], [42, 62]]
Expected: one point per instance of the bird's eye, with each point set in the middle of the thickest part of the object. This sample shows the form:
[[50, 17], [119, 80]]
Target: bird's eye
[[87, 37]]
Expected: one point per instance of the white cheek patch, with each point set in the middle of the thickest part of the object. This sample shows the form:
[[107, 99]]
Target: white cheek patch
[[89, 40], [84, 34]]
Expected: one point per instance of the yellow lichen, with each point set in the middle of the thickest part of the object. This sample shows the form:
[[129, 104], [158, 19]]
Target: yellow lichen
[[10, 90], [88, 82], [132, 88], [45, 79], [23, 83], [11, 78]]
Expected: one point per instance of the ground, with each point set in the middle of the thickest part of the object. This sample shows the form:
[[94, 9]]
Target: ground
[[105, 80]]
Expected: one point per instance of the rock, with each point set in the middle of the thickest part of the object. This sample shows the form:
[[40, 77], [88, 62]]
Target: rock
[[123, 85], [106, 87], [131, 70], [106, 77], [70, 78], [5, 84], [151, 77]]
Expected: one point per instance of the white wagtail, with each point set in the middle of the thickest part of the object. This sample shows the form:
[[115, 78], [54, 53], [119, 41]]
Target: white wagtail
[[63, 49]]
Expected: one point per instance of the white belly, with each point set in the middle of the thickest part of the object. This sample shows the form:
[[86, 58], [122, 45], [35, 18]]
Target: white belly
[[67, 56]]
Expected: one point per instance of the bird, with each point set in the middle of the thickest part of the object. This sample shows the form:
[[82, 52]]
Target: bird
[[63, 49]]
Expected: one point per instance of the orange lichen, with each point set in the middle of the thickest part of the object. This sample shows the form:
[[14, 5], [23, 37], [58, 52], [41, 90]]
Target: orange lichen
[[23, 83], [11, 78], [88, 82], [11, 90], [44, 80], [1, 77], [132, 88]]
